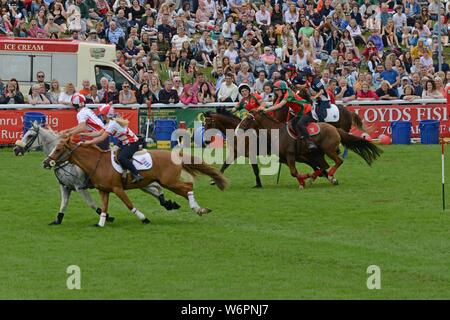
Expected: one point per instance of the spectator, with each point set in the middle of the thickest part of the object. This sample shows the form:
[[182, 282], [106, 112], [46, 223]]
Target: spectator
[[431, 92], [408, 94], [385, 92], [416, 85], [86, 90], [93, 96], [126, 95], [111, 95], [167, 95], [205, 95], [365, 93], [11, 95], [66, 96], [40, 77], [344, 92], [36, 97], [228, 91], [145, 95], [187, 97]]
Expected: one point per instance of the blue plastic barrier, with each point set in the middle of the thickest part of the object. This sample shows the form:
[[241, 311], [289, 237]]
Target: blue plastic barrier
[[401, 132], [429, 131], [30, 117]]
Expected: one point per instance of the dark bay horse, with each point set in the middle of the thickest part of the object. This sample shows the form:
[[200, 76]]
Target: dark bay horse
[[166, 170], [328, 140], [224, 120]]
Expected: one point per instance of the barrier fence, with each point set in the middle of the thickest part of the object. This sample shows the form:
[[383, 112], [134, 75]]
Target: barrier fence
[[377, 116]]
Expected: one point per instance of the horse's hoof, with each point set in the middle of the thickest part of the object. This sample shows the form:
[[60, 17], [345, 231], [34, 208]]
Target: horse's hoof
[[212, 183], [97, 225], [110, 219], [258, 186], [55, 223], [334, 182], [203, 211], [145, 221]]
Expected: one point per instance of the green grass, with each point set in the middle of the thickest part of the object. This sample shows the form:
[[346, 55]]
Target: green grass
[[274, 243]]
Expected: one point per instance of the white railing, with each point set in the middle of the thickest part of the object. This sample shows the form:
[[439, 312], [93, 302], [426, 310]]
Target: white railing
[[215, 104]]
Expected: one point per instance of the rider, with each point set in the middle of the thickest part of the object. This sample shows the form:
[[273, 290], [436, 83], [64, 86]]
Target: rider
[[318, 93], [290, 73], [87, 120], [118, 127], [285, 96], [249, 100]]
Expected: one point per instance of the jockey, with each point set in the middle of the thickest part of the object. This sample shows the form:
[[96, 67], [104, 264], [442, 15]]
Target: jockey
[[290, 73], [318, 93], [87, 120], [301, 107], [118, 127], [249, 100]]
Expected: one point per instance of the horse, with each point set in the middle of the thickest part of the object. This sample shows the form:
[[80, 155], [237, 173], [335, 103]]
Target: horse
[[224, 120], [70, 177], [97, 164], [292, 149]]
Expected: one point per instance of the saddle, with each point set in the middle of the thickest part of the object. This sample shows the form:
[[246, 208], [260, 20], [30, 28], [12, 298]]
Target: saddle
[[332, 113], [313, 129], [142, 160]]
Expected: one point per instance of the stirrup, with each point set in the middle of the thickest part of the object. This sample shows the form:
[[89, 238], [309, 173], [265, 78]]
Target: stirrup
[[311, 145], [137, 178]]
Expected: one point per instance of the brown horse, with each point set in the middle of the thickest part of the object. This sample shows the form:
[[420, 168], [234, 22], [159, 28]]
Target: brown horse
[[97, 165], [328, 140], [224, 120]]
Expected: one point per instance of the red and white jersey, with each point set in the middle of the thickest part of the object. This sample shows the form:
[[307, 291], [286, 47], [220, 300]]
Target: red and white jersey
[[124, 134], [92, 121]]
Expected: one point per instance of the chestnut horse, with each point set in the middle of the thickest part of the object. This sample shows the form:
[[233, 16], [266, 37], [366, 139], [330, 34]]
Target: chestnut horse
[[97, 165], [224, 120], [328, 140]]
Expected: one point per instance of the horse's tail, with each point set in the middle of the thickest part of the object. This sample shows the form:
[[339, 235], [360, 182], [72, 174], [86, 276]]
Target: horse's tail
[[196, 166], [356, 120], [365, 149]]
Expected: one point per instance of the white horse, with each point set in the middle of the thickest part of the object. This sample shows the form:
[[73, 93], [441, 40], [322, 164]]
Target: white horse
[[71, 177]]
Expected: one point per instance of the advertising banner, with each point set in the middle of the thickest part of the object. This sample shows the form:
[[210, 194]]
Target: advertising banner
[[11, 121], [378, 118]]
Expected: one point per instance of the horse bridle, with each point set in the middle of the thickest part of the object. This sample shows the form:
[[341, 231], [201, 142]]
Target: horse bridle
[[32, 139], [66, 155]]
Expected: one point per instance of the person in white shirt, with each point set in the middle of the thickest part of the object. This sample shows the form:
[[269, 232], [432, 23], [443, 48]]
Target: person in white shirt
[[179, 38], [263, 16], [65, 97], [228, 28], [87, 120], [228, 91], [399, 19]]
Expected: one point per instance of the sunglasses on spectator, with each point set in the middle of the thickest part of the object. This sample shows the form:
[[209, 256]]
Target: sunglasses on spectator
[[41, 76]]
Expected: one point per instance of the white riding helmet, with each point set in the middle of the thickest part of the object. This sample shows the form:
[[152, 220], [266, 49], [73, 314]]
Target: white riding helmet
[[106, 110]]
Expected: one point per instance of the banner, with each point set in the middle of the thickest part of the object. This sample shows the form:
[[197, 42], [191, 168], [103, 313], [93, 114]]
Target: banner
[[11, 121], [378, 118]]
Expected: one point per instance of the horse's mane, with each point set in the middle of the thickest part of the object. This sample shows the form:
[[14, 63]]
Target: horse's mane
[[227, 113], [265, 115]]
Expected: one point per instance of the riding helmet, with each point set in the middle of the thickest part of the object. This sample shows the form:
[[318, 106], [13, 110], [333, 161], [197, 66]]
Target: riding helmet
[[280, 84], [77, 100], [243, 86]]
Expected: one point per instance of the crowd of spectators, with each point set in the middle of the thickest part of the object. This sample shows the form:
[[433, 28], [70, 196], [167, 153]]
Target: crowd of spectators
[[362, 49]]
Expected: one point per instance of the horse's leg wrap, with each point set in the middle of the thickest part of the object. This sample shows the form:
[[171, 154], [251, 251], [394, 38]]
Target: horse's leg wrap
[[301, 179], [332, 171], [138, 214], [101, 222], [192, 203], [316, 173]]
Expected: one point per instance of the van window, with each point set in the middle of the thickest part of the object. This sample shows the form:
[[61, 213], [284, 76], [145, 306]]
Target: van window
[[111, 74]]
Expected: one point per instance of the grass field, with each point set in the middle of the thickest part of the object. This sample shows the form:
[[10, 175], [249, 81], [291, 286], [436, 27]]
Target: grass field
[[274, 243]]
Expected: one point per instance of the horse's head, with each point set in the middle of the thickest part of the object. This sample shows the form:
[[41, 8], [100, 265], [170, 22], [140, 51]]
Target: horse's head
[[29, 141], [60, 154], [249, 122]]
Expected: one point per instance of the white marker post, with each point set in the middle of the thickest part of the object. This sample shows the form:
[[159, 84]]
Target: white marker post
[[443, 173]]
